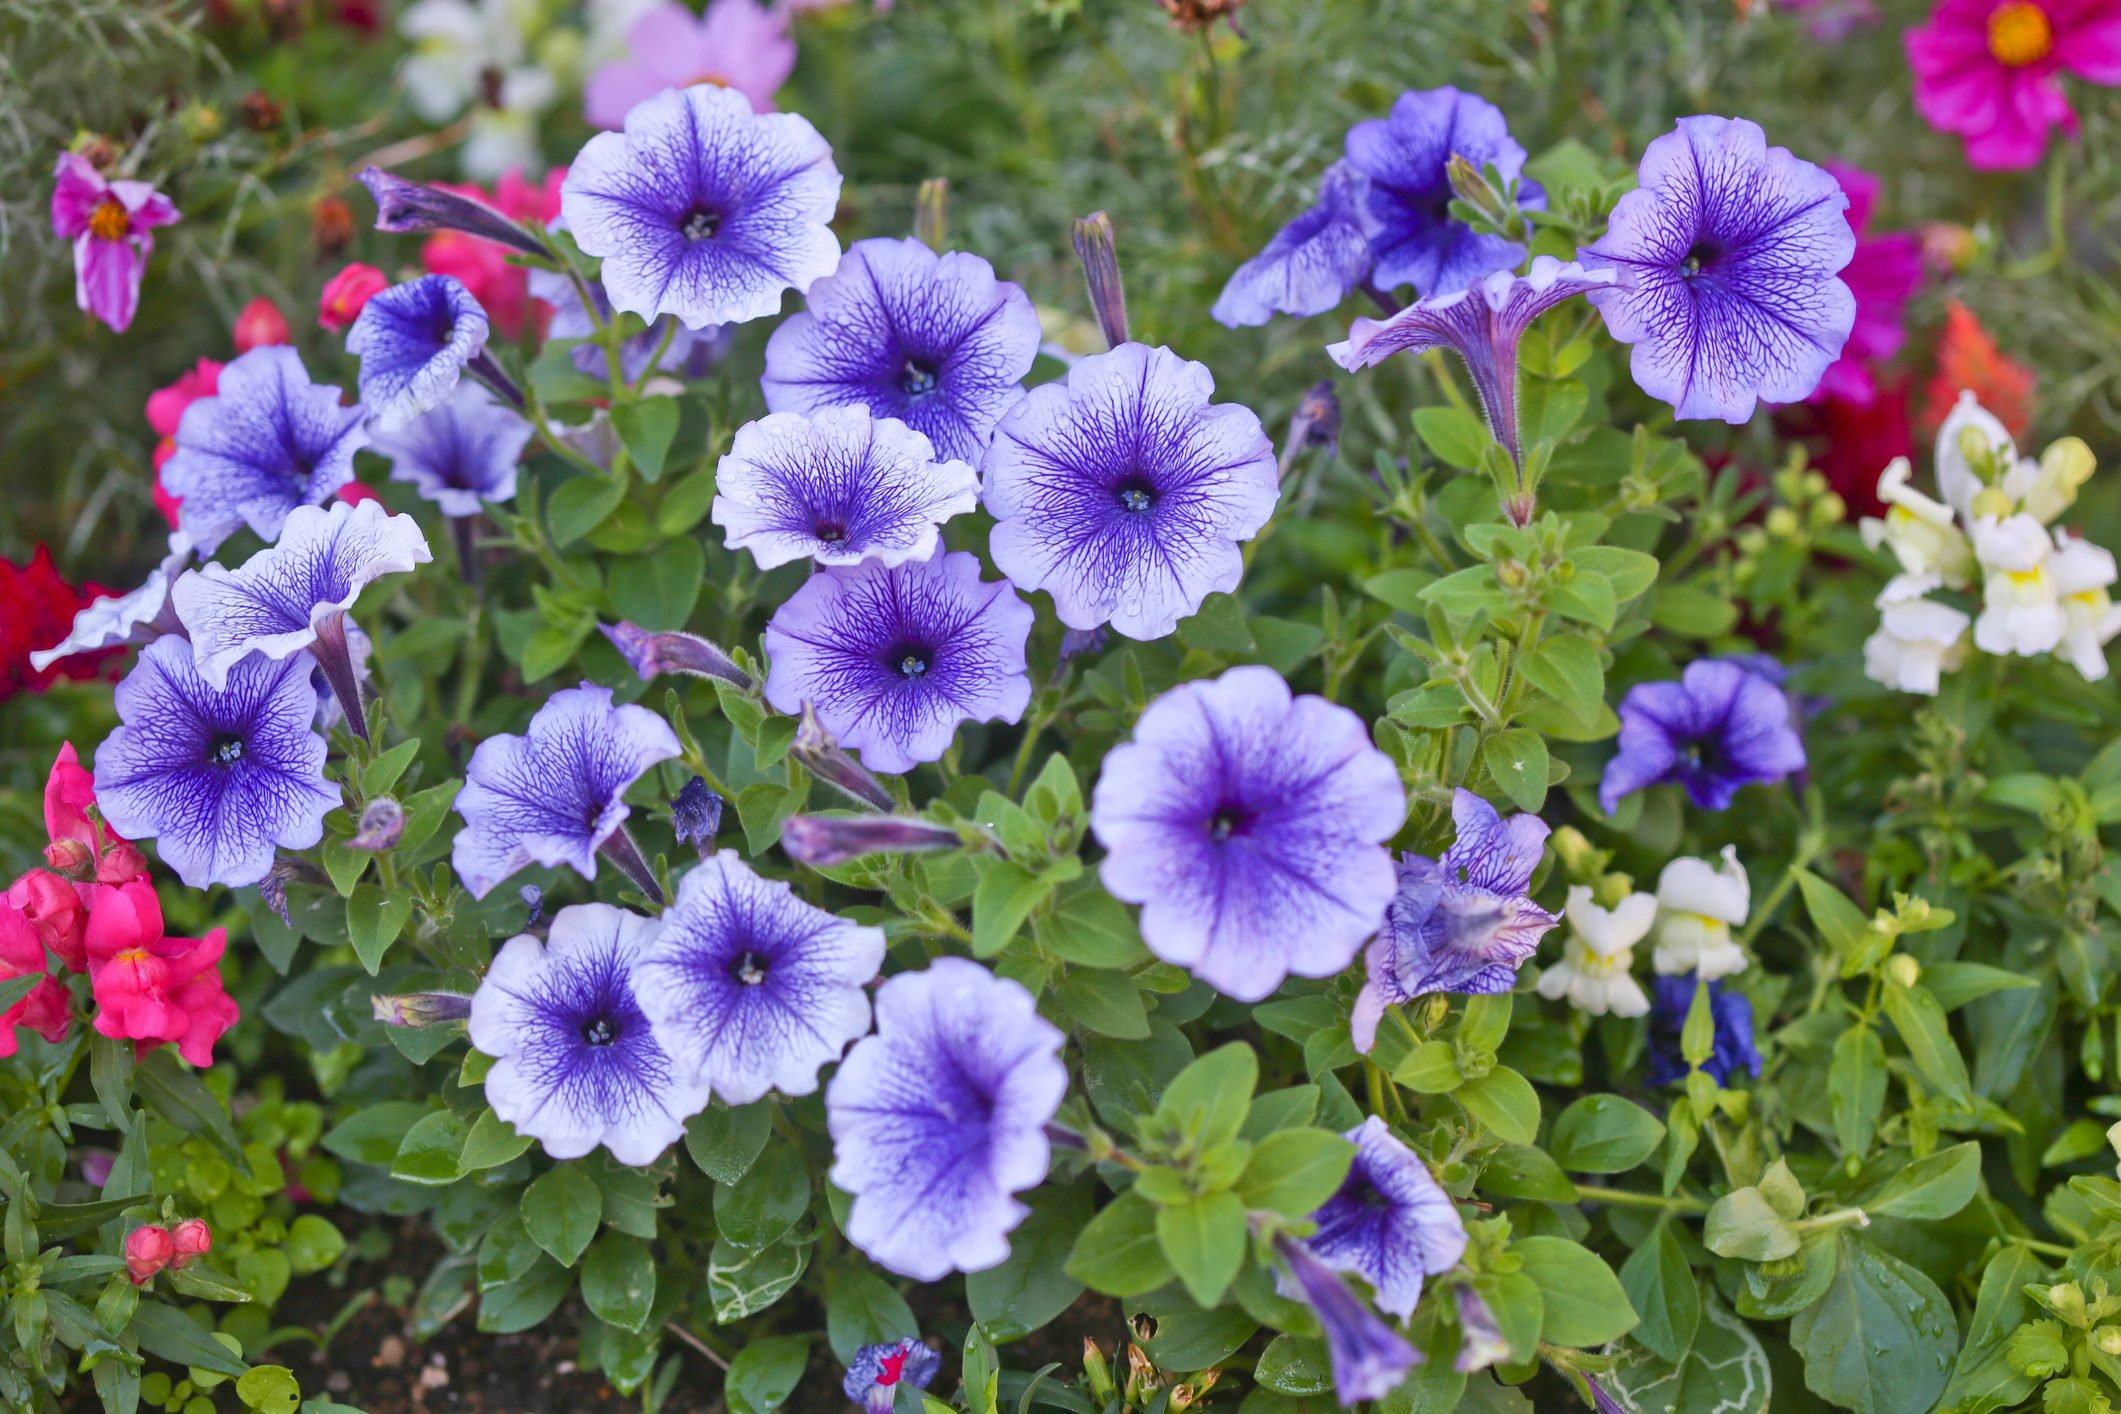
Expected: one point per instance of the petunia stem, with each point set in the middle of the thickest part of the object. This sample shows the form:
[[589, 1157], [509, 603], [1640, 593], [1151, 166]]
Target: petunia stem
[[1622, 1197], [620, 849], [465, 530], [336, 659]]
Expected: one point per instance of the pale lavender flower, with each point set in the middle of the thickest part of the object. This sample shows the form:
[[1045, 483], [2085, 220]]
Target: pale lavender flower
[[895, 659], [935, 341], [940, 1117], [750, 988], [1369, 1358], [415, 341], [1251, 827], [1481, 1341], [1391, 1223], [268, 441], [1311, 264], [557, 795], [877, 1372], [704, 209], [218, 777], [142, 616], [838, 486], [461, 454], [822, 841], [1721, 727], [1124, 492], [578, 1063]]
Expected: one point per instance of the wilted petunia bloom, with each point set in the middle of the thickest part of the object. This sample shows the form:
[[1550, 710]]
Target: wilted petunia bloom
[[112, 226], [460, 454], [651, 655], [704, 209], [1309, 265], [578, 1063], [1720, 727], [414, 208], [1732, 1014], [935, 341], [696, 813], [1731, 249], [1391, 1223], [1124, 492], [822, 841], [139, 617], [838, 486], [895, 658], [267, 442], [220, 777], [940, 1117], [1463, 923], [557, 795], [750, 988], [1251, 827], [414, 341], [877, 1372], [1369, 1358]]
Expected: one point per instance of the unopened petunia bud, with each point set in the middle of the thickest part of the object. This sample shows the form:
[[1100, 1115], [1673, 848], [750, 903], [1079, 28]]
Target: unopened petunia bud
[[822, 841], [382, 825], [412, 208], [697, 813], [533, 899], [816, 752], [147, 1251], [1316, 423], [653, 654], [1098, 250], [416, 1010], [192, 1239]]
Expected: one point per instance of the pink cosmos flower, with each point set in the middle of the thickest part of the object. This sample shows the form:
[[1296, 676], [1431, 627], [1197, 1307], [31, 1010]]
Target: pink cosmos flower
[[737, 44], [1883, 275], [48, 1009], [111, 225], [480, 265], [346, 293], [1989, 71]]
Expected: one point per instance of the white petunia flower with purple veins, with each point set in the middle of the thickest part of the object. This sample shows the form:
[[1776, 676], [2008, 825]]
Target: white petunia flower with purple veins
[[218, 777], [570, 320], [1310, 264], [140, 617], [557, 795], [1463, 923], [894, 658], [268, 441], [577, 1062], [935, 341], [939, 1118], [1391, 1223], [1124, 492], [415, 341], [1250, 825], [703, 209], [838, 486], [750, 988], [460, 454]]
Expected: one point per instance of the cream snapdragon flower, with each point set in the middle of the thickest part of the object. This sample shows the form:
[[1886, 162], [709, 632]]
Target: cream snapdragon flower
[[1697, 906], [1594, 971]]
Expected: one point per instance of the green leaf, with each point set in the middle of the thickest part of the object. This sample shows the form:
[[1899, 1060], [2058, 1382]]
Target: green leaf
[[1743, 1224], [1001, 901], [1585, 1303], [561, 1211], [658, 591], [687, 500], [1522, 1171], [1219, 628], [1932, 1187], [618, 1281], [1604, 1134], [1105, 1002], [1566, 668], [177, 1095], [1517, 759], [524, 1301], [1401, 589], [1119, 1253], [374, 919], [314, 1242], [763, 808], [742, 1281], [1629, 572], [1855, 1088], [1457, 437], [1587, 599], [1928, 1038], [1692, 611], [1032, 1286], [861, 1308], [372, 1135], [1778, 1297], [270, 1389], [167, 1332], [769, 1200], [1954, 984], [1431, 1068], [646, 428], [1504, 1102], [430, 1149], [1984, 1376], [1838, 920], [1295, 1171], [1209, 1098], [1881, 1340], [379, 775], [725, 1141], [577, 506], [1205, 1241], [1089, 927], [1661, 1286], [345, 866], [764, 1373], [493, 1141], [1725, 1372]]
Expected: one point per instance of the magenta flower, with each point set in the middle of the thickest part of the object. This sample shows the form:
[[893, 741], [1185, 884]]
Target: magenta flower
[[112, 227], [738, 44], [1883, 275], [1988, 70]]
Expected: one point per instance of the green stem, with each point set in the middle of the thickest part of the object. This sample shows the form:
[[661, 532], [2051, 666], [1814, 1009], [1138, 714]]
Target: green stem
[[655, 360], [1840, 1217], [1591, 1193]]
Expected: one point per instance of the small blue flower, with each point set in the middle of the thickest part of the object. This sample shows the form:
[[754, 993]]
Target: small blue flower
[[878, 1372], [414, 341], [1391, 1223], [1311, 264], [462, 454], [1369, 1358], [1721, 727], [1732, 1014]]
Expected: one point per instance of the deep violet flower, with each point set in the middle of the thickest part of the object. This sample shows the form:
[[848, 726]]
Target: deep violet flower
[[220, 777], [738, 44], [704, 209], [414, 208], [895, 658], [1251, 827], [1311, 264], [1369, 1358], [750, 988], [1730, 248], [877, 1372], [696, 815], [1720, 727], [267, 442], [1732, 1014], [935, 341], [1391, 1223], [126, 619], [557, 795], [578, 1063], [415, 341], [1990, 71], [838, 486], [1883, 275], [571, 320], [1123, 492], [940, 1117], [1463, 923], [461, 454], [1406, 159], [112, 226]]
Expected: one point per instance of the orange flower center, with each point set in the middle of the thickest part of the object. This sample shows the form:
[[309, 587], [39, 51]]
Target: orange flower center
[[110, 220], [718, 80], [2019, 34]]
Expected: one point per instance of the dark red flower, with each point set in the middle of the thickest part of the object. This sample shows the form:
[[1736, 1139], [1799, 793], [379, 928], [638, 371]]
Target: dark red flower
[[37, 610]]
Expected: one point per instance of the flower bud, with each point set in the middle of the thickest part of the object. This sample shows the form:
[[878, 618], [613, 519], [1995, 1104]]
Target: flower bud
[[147, 1251], [1472, 187], [417, 1010], [2066, 1299], [192, 1239], [121, 864], [2108, 1340], [382, 825], [821, 841], [652, 654], [697, 812], [347, 293], [1316, 423], [816, 752], [533, 899], [1903, 969], [71, 857], [1097, 1373], [411, 208], [260, 325], [1097, 248]]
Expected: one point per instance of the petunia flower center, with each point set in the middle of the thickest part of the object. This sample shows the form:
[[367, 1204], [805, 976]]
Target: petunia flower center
[[225, 750], [917, 377], [110, 220], [829, 532], [700, 225], [912, 664], [2020, 34], [1700, 256], [1228, 821], [599, 1031], [1136, 495], [748, 969]]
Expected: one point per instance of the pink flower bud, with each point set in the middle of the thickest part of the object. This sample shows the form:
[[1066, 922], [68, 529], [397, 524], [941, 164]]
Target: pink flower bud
[[345, 294], [121, 864], [147, 1251], [259, 325], [73, 858], [193, 1239]]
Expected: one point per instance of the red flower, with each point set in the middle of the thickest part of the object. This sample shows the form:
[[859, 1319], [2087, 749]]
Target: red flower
[[49, 1008], [482, 265], [193, 1239], [259, 325], [37, 611], [346, 292], [147, 1251], [1967, 358], [165, 409]]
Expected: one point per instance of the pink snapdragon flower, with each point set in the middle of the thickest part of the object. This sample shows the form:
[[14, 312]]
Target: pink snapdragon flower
[[48, 1010], [260, 325], [1989, 71], [112, 227], [347, 293], [147, 1251], [1883, 275], [737, 44]]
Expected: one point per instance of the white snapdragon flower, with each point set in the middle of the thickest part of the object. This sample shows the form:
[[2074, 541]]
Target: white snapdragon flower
[[2081, 573], [2022, 608], [1698, 904], [1918, 639], [1918, 529], [1593, 973], [1971, 428]]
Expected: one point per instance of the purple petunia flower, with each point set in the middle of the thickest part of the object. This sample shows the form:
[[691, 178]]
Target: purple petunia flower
[[1720, 727], [268, 441], [932, 340], [1251, 827], [704, 209], [1732, 1013], [414, 341], [651, 655], [1483, 325], [1391, 1223], [1311, 264], [461, 454], [1481, 1342], [838, 486], [696, 814], [940, 1117], [878, 1372], [577, 1063], [750, 988], [1731, 249], [1406, 158], [1124, 492], [414, 208], [894, 658], [1463, 923], [112, 225], [570, 320], [557, 795], [140, 617], [218, 777], [1369, 1358]]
